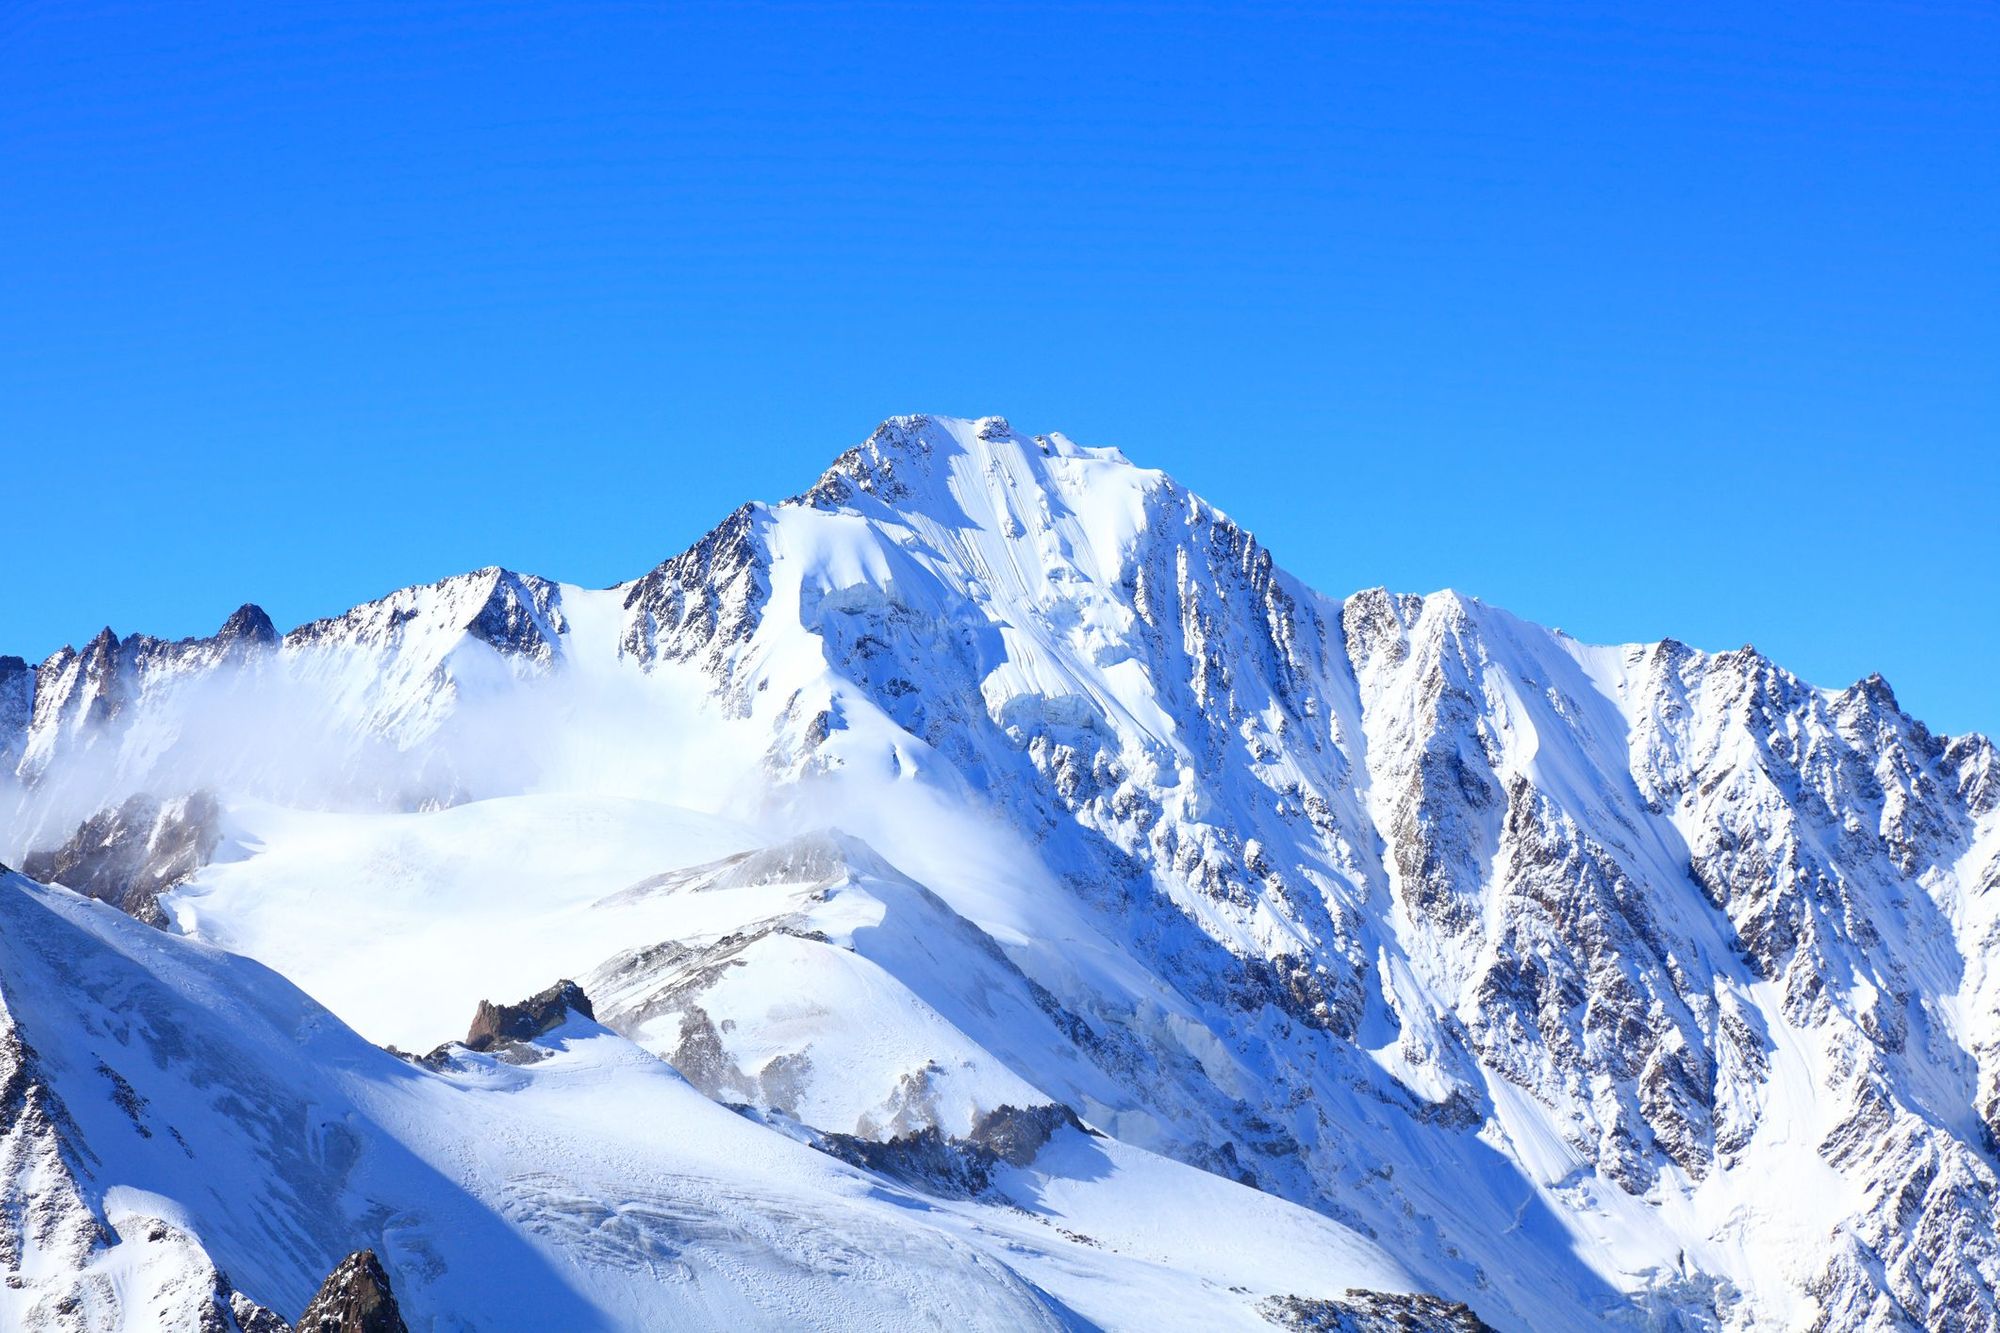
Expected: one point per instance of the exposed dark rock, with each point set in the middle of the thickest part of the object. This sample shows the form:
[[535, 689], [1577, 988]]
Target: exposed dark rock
[[927, 1159], [82, 691], [356, 1298], [127, 1098], [130, 856], [1974, 762], [703, 600], [41, 1142], [248, 626], [250, 1317], [1015, 1134], [77, 699], [875, 467], [701, 1060], [498, 1025], [1305, 990], [952, 1167], [17, 707], [1363, 1311], [521, 617]]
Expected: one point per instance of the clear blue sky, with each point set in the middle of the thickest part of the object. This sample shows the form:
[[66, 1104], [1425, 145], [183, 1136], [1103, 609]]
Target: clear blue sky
[[1659, 319]]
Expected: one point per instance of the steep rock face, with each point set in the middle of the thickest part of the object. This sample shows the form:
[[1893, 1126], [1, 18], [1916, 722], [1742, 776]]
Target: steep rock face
[[129, 856], [17, 709], [543, 1012], [517, 613], [428, 647], [1832, 831], [356, 1298], [521, 617], [78, 695], [703, 602], [247, 629], [1374, 1312], [48, 1225]]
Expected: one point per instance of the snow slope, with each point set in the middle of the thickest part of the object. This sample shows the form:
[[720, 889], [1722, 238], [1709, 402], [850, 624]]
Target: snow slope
[[994, 773], [247, 1130]]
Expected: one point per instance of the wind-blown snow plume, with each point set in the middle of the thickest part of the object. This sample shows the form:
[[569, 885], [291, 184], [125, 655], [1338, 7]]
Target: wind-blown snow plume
[[995, 787]]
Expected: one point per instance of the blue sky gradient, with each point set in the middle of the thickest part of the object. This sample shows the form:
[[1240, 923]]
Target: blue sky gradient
[[1642, 320]]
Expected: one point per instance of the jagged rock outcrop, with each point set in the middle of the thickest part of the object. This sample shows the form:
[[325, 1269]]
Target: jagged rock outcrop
[[42, 1157], [703, 602], [17, 709], [64, 1265], [131, 855], [520, 615], [953, 1167], [499, 1025], [247, 629], [1372, 1312], [356, 1298]]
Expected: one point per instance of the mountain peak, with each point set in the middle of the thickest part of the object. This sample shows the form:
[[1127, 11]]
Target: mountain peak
[[248, 623], [906, 457], [1320, 897]]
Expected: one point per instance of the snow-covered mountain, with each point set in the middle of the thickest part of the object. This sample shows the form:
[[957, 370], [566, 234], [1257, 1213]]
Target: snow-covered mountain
[[1025, 884]]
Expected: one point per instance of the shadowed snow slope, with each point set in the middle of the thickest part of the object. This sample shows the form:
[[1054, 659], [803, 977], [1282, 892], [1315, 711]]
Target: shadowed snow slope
[[995, 785]]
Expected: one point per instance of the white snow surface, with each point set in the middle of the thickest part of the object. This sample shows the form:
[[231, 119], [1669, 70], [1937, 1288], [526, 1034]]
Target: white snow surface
[[1629, 984], [590, 1189]]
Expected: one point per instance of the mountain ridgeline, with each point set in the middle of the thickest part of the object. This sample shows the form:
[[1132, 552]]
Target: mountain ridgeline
[[994, 810]]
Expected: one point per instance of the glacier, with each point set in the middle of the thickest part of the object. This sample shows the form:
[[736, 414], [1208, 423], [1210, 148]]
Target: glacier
[[1007, 898]]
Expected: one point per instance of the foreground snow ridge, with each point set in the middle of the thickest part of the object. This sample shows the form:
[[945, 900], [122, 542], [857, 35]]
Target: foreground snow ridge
[[985, 891]]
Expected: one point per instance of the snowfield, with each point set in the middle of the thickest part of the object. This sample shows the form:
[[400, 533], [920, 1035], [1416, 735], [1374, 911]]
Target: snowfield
[[592, 1188], [1004, 898]]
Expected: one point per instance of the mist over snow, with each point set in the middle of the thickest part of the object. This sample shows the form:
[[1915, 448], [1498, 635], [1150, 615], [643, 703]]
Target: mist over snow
[[1001, 897]]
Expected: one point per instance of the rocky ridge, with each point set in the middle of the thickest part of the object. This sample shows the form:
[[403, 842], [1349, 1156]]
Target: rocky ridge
[[1645, 924], [356, 1298]]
